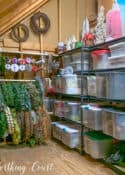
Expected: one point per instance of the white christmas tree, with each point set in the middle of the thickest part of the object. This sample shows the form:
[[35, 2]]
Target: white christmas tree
[[100, 29]]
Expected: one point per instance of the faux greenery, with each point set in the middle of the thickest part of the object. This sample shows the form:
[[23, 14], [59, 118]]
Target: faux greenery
[[3, 124]]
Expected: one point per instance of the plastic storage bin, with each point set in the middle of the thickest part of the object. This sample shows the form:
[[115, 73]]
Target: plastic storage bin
[[98, 145], [66, 60], [58, 109], [114, 123], [117, 61], [91, 80], [117, 49], [107, 122], [71, 84], [92, 117], [49, 103], [116, 85], [57, 130], [56, 84], [101, 85], [70, 137], [76, 65], [100, 59], [72, 111]]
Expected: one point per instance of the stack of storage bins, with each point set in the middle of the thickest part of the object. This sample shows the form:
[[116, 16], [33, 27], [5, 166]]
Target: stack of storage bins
[[97, 144], [114, 123], [74, 61], [67, 134], [69, 84], [100, 59], [92, 117], [117, 59]]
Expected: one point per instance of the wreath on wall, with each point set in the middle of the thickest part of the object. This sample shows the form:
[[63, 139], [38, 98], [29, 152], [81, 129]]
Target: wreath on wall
[[35, 26], [15, 35]]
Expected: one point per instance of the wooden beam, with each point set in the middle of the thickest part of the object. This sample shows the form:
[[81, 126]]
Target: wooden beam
[[23, 12], [59, 19]]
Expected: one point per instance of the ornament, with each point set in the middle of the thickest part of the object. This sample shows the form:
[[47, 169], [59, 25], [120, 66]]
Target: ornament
[[34, 68], [22, 61], [14, 61], [28, 60], [28, 67], [7, 66], [22, 67], [14, 68], [88, 39]]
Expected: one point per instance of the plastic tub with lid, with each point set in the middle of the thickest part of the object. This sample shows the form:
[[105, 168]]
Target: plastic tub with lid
[[98, 145], [92, 117], [117, 49], [114, 123], [117, 61], [76, 65], [116, 85], [70, 137], [100, 59], [72, 111]]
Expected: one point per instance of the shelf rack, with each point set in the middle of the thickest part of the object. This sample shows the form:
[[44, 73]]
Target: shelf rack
[[83, 98]]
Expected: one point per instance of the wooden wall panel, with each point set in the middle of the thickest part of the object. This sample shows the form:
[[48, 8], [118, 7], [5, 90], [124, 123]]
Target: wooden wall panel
[[66, 18], [106, 3]]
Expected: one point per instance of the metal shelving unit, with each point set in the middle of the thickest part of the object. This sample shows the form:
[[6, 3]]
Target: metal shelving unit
[[83, 98]]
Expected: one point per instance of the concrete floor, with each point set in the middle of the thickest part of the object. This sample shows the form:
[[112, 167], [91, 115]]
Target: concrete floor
[[50, 159]]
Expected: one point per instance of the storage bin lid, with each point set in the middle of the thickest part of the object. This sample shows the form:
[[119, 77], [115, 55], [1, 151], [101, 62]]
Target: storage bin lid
[[115, 111], [100, 52], [118, 45], [70, 130], [95, 135]]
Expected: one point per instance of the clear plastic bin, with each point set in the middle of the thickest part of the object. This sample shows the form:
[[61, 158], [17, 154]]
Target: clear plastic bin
[[56, 84], [116, 85], [70, 137], [91, 80], [72, 111], [71, 84], [117, 49], [98, 145], [76, 65], [49, 103], [101, 85], [100, 59], [114, 123], [92, 117], [59, 108], [77, 56], [57, 130], [66, 60], [107, 122], [117, 61]]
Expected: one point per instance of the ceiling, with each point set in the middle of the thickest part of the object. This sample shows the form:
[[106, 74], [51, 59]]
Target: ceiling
[[13, 11]]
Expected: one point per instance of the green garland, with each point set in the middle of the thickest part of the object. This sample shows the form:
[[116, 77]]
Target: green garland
[[3, 124], [2, 65], [34, 95], [8, 94], [21, 97]]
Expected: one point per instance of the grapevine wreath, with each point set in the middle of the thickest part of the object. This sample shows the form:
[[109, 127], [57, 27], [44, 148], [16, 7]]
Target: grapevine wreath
[[35, 26]]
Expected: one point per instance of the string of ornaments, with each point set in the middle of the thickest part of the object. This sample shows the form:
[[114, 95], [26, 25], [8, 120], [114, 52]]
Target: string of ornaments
[[21, 64]]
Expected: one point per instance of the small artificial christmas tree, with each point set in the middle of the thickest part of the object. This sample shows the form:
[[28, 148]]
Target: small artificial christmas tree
[[100, 29]]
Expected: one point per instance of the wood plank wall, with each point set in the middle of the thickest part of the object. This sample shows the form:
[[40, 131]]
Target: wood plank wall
[[66, 18]]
